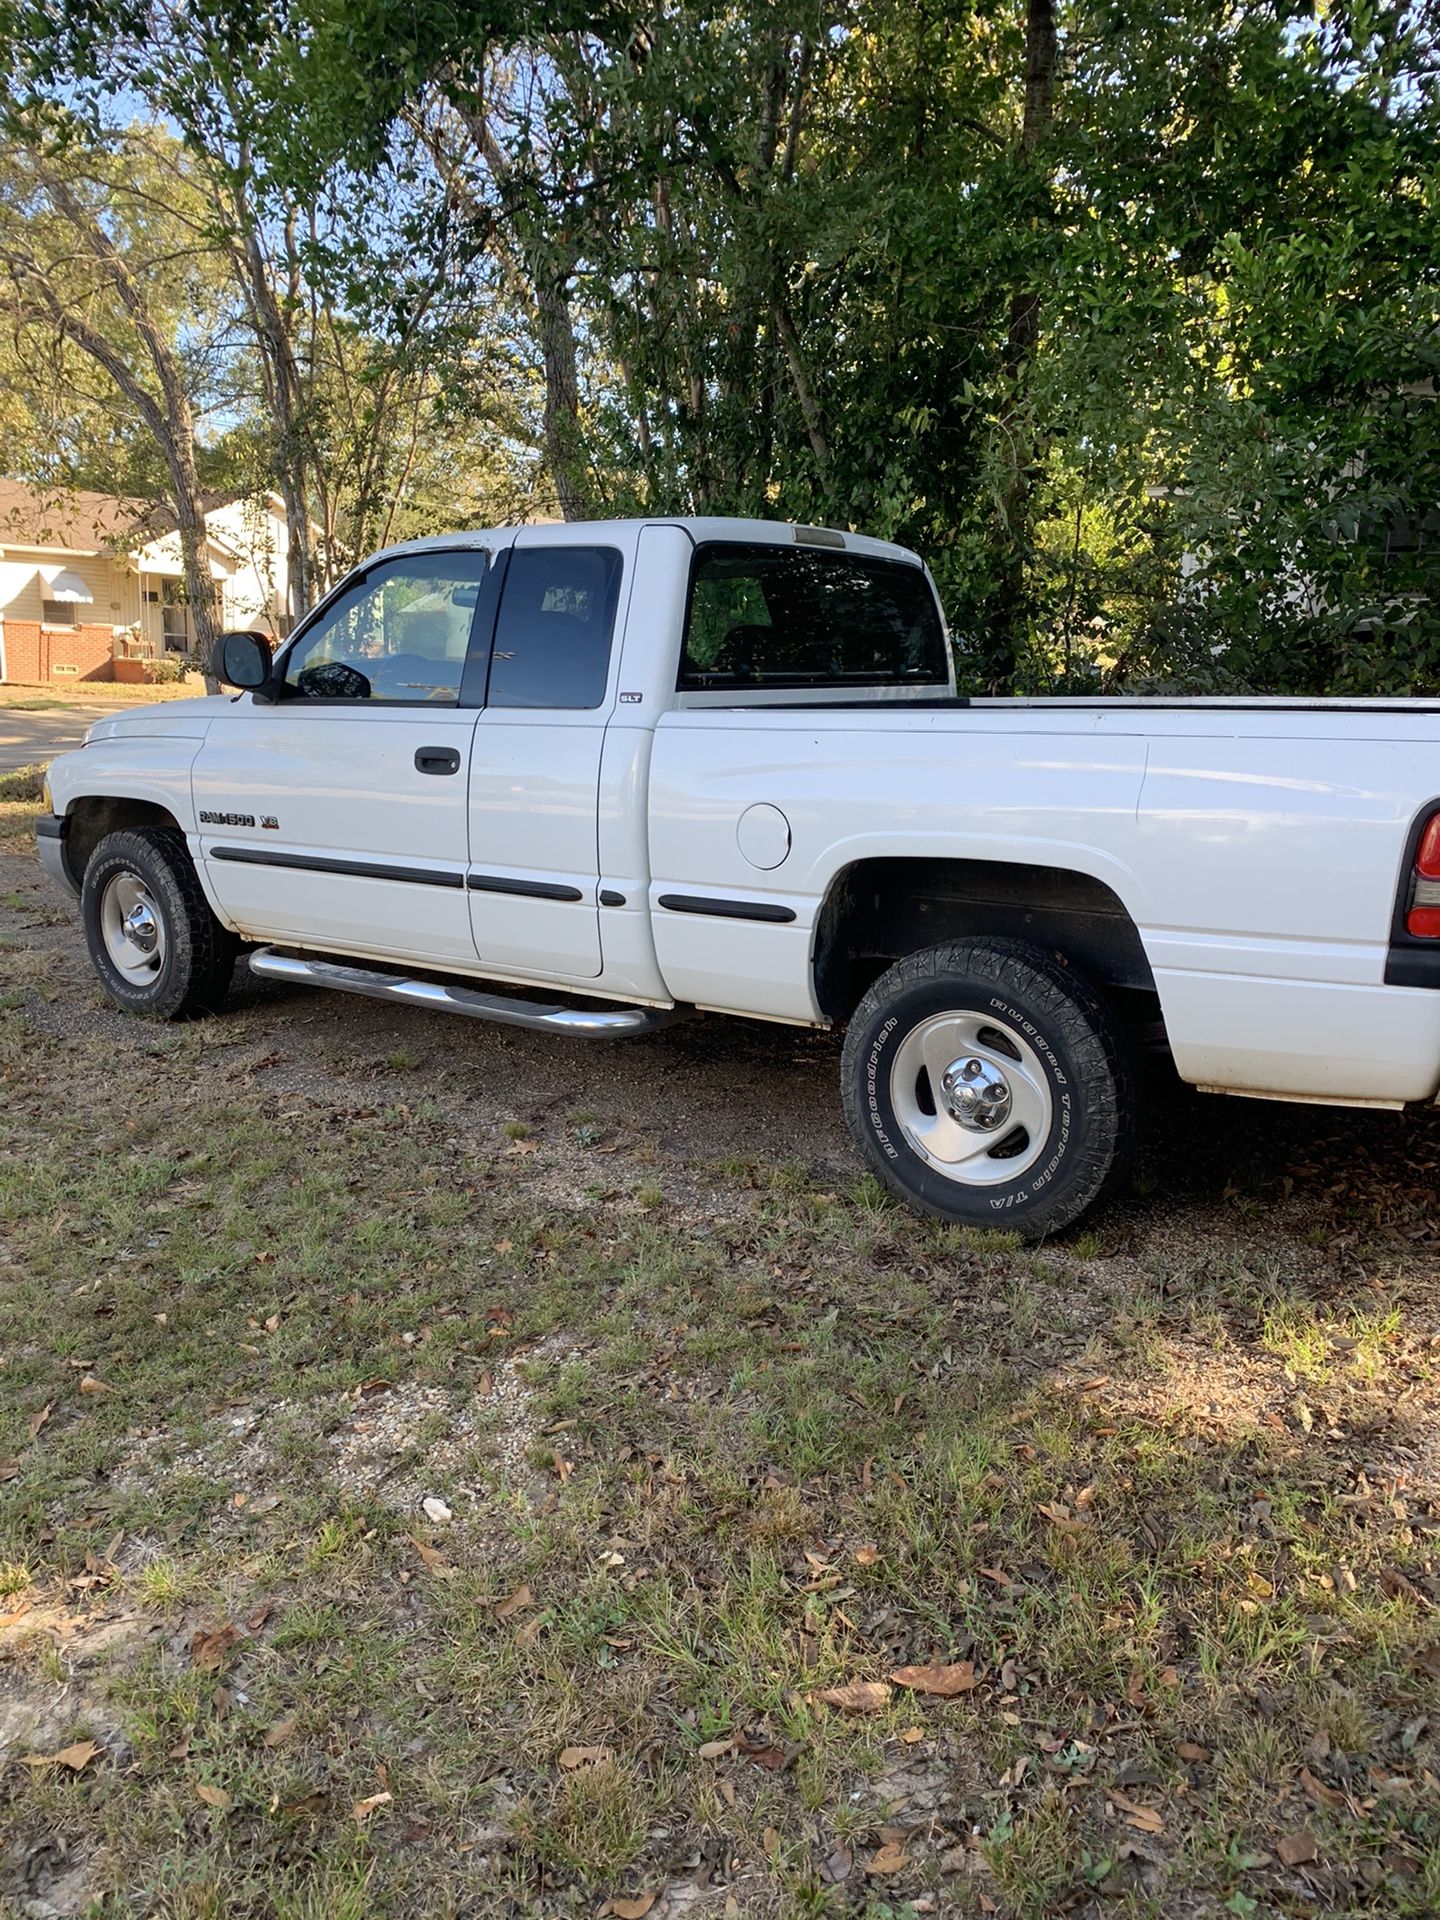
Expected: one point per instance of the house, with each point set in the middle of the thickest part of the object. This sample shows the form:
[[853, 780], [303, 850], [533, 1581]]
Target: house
[[92, 587]]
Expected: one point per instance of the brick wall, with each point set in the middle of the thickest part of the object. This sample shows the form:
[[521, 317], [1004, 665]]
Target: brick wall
[[33, 652]]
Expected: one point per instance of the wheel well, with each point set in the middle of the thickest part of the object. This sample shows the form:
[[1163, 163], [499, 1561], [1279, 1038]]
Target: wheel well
[[96, 815], [878, 910]]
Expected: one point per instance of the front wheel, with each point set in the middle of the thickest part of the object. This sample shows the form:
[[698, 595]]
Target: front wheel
[[985, 1083], [153, 940]]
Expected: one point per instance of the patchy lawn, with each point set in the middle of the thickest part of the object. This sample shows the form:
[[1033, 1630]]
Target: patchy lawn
[[53, 696], [445, 1470]]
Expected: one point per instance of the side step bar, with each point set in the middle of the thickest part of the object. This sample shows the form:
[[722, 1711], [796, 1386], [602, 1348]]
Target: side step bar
[[585, 1023]]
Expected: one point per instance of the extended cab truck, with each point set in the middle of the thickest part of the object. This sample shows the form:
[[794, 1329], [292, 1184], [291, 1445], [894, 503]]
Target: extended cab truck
[[656, 766]]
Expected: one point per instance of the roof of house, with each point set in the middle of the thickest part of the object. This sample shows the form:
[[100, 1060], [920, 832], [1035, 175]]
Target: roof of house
[[82, 522], [70, 518]]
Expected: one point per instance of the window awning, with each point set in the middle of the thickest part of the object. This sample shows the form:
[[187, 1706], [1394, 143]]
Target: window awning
[[67, 585]]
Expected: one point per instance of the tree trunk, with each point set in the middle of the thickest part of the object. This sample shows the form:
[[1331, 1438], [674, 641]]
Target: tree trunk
[[1008, 618], [285, 402], [546, 272], [564, 447]]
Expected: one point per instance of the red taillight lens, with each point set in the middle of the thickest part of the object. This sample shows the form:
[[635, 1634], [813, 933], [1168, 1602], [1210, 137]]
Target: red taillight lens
[[1427, 854], [1423, 922]]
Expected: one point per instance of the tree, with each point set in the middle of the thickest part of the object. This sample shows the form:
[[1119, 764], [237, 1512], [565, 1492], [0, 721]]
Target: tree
[[89, 259]]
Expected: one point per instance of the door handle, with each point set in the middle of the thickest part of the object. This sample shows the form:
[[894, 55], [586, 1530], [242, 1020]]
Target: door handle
[[437, 759]]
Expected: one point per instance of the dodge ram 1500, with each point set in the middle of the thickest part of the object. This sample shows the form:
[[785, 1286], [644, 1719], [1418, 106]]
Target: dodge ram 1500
[[649, 767]]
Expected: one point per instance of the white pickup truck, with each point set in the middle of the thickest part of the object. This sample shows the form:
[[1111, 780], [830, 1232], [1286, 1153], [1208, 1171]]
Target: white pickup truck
[[650, 767]]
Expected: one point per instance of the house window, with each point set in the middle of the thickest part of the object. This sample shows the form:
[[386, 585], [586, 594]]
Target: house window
[[59, 613]]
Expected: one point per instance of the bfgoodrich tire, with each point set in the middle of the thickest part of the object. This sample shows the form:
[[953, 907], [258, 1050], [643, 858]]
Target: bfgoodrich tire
[[154, 942], [985, 1083]]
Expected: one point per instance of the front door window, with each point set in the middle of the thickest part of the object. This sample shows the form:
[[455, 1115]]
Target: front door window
[[400, 633]]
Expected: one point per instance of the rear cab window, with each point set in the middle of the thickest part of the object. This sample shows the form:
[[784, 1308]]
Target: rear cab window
[[555, 630], [764, 616]]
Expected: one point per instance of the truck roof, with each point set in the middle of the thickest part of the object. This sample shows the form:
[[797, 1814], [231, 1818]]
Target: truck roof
[[699, 527]]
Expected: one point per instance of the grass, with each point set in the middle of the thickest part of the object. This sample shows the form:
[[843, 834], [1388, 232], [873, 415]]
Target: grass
[[709, 1448], [51, 697]]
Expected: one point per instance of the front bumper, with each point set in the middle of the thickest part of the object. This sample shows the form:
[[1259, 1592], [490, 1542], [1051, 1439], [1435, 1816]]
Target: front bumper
[[50, 832]]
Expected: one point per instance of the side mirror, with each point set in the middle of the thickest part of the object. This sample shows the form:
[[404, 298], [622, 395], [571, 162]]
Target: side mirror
[[243, 660]]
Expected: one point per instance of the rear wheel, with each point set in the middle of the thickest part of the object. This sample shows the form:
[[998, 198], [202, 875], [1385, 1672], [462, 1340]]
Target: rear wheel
[[154, 942], [986, 1083]]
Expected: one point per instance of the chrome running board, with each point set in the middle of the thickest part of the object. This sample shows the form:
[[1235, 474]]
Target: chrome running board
[[584, 1023]]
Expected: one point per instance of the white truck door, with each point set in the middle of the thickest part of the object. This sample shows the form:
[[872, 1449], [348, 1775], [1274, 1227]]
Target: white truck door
[[535, 772], [336, 816]]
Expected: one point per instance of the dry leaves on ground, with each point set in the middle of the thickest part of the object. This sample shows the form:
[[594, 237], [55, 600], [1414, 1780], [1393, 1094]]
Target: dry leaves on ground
[[1296, 1848], [891, 1858], [856, 1696], [74, 1757], [943, 1680], [207, 1650]]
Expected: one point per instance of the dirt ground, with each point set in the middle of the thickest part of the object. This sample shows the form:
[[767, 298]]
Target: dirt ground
[[448, 1469]]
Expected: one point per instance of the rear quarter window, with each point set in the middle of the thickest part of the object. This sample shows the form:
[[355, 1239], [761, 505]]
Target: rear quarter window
[[771, 616]]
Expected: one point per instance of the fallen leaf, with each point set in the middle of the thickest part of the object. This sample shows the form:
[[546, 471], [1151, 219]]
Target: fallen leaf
[[207, 1650], [9, 1469], [572, 1757], [996, 1576], [213, 1796], [74, 1757], [280, 1732], [436, 1510], [856, 1696], [182, 1746], [714, 1749], [428, 1555], [1318, 1791], [1144, 1819], [623, 1909], [946, 1681], [37, 1420], [363, 1809], [1296, 1848], [1188, 1750], [890, 1859], [514, 1603]]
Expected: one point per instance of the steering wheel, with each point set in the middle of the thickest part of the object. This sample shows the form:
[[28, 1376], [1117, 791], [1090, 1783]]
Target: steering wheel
[[332, 680]]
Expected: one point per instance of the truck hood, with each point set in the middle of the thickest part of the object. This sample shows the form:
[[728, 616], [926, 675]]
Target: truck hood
[[182, 719]]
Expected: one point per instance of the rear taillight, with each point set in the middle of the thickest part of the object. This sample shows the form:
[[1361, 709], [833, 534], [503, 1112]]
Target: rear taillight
[[1422, 917]]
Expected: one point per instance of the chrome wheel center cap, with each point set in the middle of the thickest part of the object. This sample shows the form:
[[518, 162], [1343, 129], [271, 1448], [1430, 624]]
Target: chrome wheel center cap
[[142, 928], [976, 1094]]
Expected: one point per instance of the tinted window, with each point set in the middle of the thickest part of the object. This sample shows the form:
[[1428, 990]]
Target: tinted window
[[763, 616], [557, 616], [399, 633]]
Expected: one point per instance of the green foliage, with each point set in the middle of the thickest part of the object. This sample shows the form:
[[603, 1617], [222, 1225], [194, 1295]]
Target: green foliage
[[1138, 347]]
